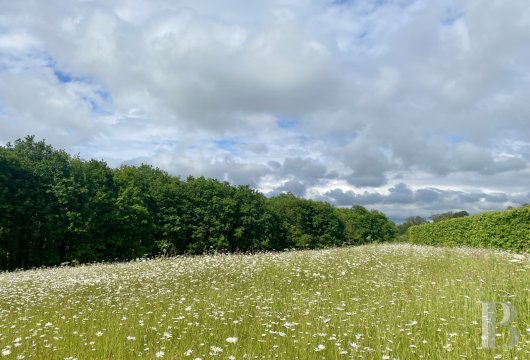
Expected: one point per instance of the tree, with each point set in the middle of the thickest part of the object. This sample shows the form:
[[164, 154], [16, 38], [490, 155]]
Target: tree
[[364, 226], [254, 226], [410, 221], [306, 223], [38, 216], [448, 215], [57, 208], [92, 222]]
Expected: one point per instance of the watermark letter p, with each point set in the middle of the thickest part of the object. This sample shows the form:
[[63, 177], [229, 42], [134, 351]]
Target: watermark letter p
[[488, 323]]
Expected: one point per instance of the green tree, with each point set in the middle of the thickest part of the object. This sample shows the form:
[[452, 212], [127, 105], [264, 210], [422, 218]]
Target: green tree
[[448, 215], [306, 223], [253, 226], [41, 225], [364, 226], [57, 208], [91, 197], [410, 221]]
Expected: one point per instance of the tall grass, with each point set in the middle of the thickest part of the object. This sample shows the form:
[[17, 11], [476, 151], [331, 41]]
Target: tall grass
[[372, 302]]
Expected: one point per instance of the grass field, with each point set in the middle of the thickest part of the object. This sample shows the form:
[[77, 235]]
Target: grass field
[[393, 301]]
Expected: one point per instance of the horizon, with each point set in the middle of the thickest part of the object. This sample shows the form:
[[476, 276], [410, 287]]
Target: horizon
[[411, 108]]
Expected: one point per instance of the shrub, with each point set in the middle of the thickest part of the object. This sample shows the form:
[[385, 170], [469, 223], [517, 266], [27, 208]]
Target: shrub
[[508, 229]]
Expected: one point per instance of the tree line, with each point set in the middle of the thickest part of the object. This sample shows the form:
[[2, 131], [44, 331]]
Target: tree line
[[418, 220], [56, 208]]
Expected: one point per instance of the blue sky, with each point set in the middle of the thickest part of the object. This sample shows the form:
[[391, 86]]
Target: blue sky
[[409, 107]]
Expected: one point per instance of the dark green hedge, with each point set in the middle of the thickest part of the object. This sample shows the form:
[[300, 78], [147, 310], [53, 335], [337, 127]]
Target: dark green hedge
[[508, 229]]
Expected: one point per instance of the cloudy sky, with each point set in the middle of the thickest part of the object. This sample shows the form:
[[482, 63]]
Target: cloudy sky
[[408, 107]]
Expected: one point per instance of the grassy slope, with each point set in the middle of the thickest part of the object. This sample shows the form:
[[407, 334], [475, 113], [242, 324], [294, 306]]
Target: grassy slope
[[371, 302]]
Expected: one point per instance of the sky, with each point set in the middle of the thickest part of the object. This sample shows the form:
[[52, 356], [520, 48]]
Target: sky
[[408, 107]]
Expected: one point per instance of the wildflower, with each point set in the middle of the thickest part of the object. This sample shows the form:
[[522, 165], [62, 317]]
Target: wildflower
[[188, 352], [231, 340], [320, 347], [159, 354], [99, 333], [6, 352], [215, 350], [130, 338]]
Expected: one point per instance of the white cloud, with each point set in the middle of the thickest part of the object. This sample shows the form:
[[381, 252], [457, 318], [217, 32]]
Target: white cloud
[[283, 95]]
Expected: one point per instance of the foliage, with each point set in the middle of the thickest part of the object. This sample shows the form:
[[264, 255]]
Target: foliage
[[410, 221], [449, 215], [508, 229], [306, 223], [55, 208], [363, 226]]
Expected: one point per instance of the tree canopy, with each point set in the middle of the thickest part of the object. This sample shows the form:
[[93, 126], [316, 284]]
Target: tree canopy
[[56, 208]]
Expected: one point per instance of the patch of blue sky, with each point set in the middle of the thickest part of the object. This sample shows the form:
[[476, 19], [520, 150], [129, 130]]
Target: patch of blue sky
[[285, 123], [94, 107], [362, 35], [451, 16], [3, 64], [104, 95], [341, 2], [229, 145], [100, 105], [101, 101], [65, 77], [456, 139], [62, 76]]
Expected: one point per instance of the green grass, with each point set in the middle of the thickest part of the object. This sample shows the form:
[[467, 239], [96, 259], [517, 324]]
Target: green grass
[[371, 302]]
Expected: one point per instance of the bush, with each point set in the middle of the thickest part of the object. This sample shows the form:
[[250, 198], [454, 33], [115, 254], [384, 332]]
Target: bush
[[508, 229]]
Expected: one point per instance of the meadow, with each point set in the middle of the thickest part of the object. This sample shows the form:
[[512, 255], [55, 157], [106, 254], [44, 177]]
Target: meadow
[[389, 301]]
